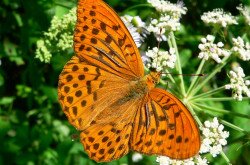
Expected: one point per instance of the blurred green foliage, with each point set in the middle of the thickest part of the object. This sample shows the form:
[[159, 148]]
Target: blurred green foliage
[[33, 128]]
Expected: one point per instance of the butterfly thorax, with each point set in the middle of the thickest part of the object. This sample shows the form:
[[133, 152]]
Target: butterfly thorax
[[140, 87], [152, 79]]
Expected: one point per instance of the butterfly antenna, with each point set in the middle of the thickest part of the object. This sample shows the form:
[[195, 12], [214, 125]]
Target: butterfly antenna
[[201, 74]]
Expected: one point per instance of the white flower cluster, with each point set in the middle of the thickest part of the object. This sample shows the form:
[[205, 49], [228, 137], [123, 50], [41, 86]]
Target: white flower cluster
[[163, 160], [59, 36], [245, 12], [214, 137], [211, 50], [42, 52], [169, 20], [241, 49], [159, 59], [162, 6], [238, 84], [163, 25], [136, 28], [218, 17]]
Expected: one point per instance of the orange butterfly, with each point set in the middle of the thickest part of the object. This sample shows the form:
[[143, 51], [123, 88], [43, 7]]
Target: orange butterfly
[[106, 96]]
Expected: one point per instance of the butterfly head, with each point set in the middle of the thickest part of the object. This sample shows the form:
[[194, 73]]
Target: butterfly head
[[152, 79]]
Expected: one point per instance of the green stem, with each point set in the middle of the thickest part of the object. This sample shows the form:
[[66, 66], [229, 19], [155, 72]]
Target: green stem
[[216, 70], [215, 99], [209, 108], [169, 75], [201, 110], [178, 63], [195, 79], [223, 121], [225, 157], [190, 108], [233, 126], [209, 93]]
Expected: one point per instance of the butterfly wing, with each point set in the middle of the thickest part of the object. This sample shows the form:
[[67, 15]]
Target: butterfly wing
[[164, 126], [102, 39], [85, 90], [93, 84], [105, 53], [108, 137]]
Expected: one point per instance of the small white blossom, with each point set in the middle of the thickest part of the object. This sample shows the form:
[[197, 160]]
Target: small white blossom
[[238, 84], [245, 11], [211, 50], [136, 28], [162, 6], [136, 157], [58, 38], [42, 52], [157, 30], [241, 49], [196, 160], [218, 17], [201, 161], [159, 59], [169, 20], [214, 137]]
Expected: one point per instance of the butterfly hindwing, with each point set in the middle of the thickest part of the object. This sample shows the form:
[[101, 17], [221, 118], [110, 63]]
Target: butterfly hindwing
[[102, 39], [164, 126], [108, 136]]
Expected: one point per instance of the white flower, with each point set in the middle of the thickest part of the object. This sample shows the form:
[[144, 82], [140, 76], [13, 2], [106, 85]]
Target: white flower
[[157, 30], [241, 49], [245, 12], [163, 160], [201, 161], [159, 59], [211, 50], [214, 137], [136, 28], [169, 20], [238, 84], [58, 38], [42, 52], [218, 17], [162, 6], [136, 157]]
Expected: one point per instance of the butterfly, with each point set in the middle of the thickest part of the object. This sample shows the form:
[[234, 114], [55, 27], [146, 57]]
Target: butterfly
[[106, 96]]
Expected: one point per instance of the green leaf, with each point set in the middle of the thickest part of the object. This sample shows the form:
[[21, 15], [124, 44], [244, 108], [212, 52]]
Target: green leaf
[[5, 126], [51, 93], [6, 100], [242, 107]]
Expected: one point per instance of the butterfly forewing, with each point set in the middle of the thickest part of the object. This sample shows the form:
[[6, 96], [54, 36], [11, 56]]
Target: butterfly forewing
[[102, 39], [85, 90], [164, 126]]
